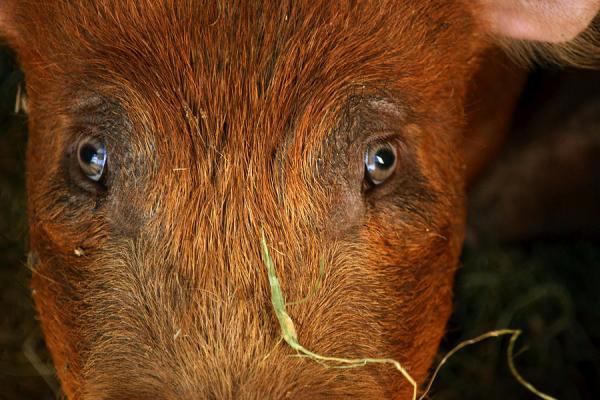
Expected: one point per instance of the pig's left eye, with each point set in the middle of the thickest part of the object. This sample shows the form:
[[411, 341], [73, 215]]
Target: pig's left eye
[[380, 162], [92, 156]]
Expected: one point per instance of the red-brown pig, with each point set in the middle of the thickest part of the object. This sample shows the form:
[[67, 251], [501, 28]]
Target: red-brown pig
[[166, 135]]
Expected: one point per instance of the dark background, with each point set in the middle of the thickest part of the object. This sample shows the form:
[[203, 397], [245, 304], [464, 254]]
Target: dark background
[[532, 259]]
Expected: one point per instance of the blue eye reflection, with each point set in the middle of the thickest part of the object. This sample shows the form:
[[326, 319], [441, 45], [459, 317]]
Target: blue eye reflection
[[92, 156]]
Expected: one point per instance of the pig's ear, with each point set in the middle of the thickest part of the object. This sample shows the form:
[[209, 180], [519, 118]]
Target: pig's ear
[[560, 31], [555, 21]]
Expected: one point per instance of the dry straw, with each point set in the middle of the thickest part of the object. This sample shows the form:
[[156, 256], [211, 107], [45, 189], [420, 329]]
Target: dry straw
[[289, 335]]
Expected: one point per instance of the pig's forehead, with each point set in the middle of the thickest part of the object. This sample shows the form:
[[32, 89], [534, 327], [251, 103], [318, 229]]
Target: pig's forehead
[[247, 66], [247, 48]]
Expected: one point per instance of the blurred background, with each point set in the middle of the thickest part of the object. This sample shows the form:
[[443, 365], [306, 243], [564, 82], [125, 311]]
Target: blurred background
[[531, 261]]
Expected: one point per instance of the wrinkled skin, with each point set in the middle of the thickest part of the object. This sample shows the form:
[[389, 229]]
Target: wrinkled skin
[[221, 121]]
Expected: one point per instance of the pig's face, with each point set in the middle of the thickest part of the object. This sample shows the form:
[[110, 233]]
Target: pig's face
[[165, 136]]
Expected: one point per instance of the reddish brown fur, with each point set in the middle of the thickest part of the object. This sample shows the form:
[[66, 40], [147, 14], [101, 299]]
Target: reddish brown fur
[[223, 119]]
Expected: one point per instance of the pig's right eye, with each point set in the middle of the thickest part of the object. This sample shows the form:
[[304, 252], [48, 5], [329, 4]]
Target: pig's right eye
[[91, 157]]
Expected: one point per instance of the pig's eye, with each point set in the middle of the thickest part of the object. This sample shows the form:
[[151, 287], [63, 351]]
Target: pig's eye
[[380, 162], [91, 155]]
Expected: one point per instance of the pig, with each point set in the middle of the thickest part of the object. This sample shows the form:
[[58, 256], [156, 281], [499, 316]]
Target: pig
[[166, 137]]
